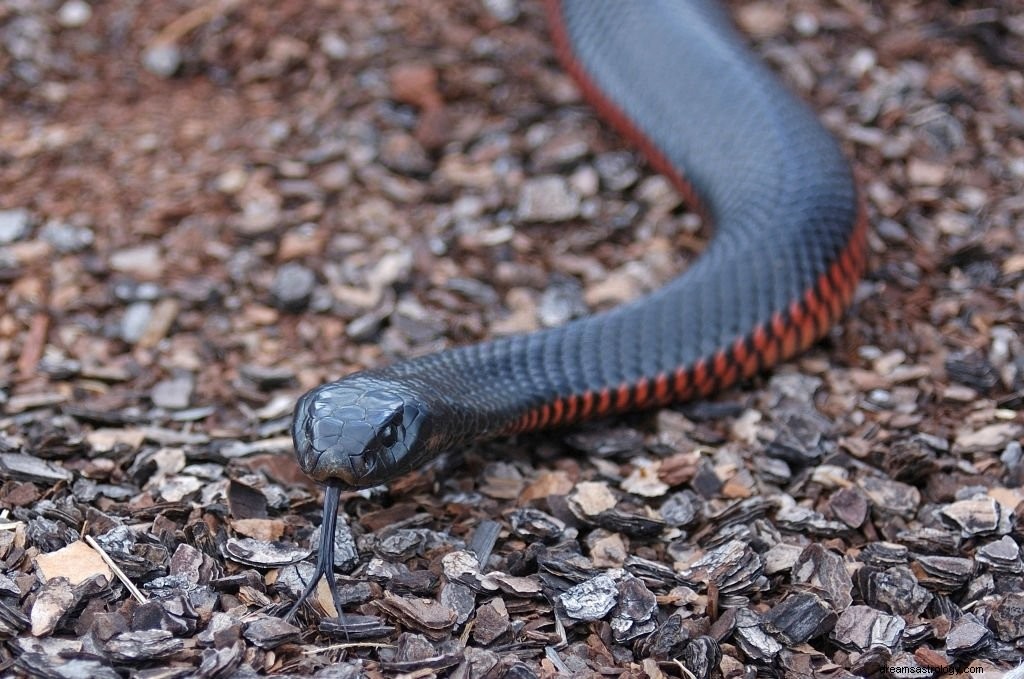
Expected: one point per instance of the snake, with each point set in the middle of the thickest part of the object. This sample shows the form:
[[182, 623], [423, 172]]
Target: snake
[[788, 250]]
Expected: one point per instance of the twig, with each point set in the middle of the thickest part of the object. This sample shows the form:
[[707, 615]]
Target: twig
[[193, 19], [139, 596], [347, 645]]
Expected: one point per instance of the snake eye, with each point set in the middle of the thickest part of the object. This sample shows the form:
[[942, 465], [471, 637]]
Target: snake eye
[[388, 436]]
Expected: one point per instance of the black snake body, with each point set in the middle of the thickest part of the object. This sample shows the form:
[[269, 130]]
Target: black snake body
[[788, 250]]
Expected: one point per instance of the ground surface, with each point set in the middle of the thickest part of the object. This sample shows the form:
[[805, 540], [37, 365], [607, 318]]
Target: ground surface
[[210, 207]]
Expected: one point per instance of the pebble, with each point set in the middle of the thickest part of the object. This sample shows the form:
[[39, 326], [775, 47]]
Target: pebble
[[547, 199], [561, 150], [402, 153], [334, 46], [505, 11], [14, 225], [334, 177], [173, 394], [924, 173], [806, 24], [74, 13], [761, 19], [143, 261], [560, 303], [617, 169], [892, 231], [585, 181], [392, 268], [619, 286], [862, 61], [135, 320], [293, 287], [162, 59], [66, 238]]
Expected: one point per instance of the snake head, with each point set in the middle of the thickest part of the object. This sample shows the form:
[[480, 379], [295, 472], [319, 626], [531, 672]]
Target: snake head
[[356, 433]]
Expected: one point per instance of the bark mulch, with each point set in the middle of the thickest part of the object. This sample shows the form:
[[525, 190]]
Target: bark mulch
[[209, 206]]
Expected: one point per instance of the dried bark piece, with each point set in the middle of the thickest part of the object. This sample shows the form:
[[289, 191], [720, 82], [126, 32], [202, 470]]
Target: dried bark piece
[[634, 611], [967, 636], [245, 502], [263, 554], [533, 523], [28, 468], [680, 509], [607, 550], [680, 468], [195, 566], [797, 519], [979, 516], [884, 554], [547, 483], [147, 645], [483, 539], [800, 436], [523, 586], [912, 459], [891, 497], [502, 481], [825, 572], [492, 622], [270, 632], [355, 627], [943, 573], [931, 540], [734, 568], [460, 598], [590, 600], [77, 562], [849, 506], [643, 480], [781, 557], [990, 439], [174, 614], [752, 638], [799, 617], [1003, 555], [1008, 617], [702, 657], [895, 589], [415, 655], [641, 525], [54, 601], [590, 499], [51, 666], [221, 661], [265, 530], [430, 617], [667, 641], [863, 628], [400, 544], [459, 564], [607, 442], [223, 630]]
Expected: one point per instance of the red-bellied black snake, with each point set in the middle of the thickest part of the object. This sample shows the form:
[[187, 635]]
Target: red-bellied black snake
[[788, 251]]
